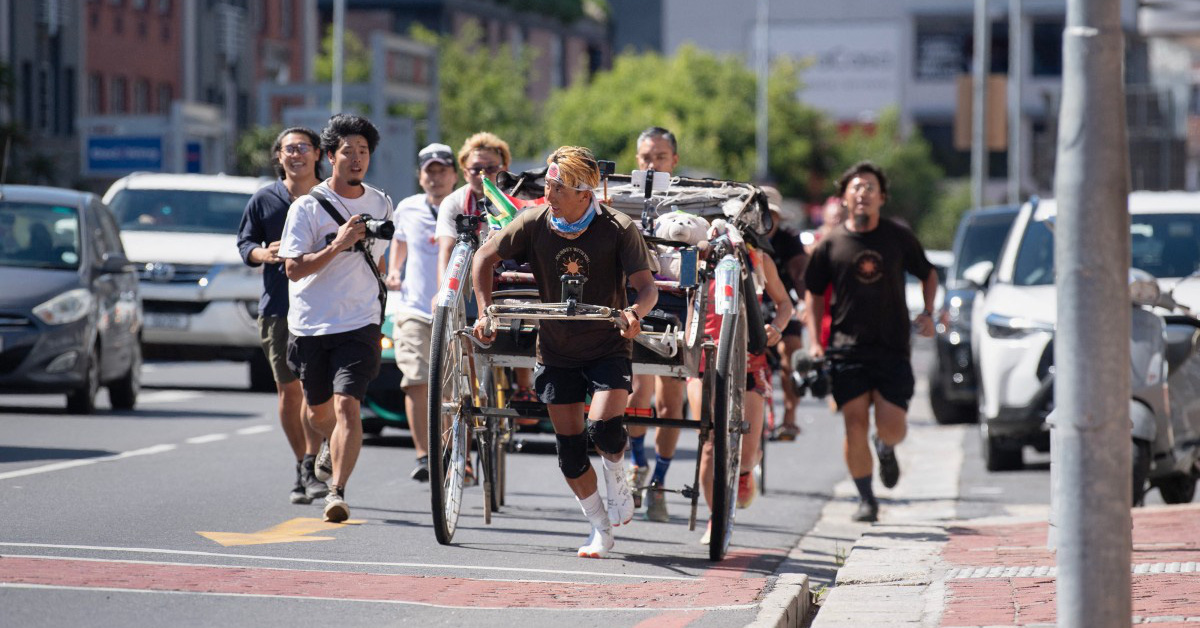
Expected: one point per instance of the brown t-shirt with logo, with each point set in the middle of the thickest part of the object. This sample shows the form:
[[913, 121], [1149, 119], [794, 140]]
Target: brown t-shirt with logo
[[606, 253], [866, 270]]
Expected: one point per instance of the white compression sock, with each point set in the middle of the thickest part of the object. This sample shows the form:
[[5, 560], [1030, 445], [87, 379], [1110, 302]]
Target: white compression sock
[[620, 498], [601, 539]]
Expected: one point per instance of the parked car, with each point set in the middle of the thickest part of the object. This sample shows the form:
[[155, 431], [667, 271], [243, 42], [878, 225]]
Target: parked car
[[70, 314], [952, 380], [201, 300], [1013, 326], [914, 292]]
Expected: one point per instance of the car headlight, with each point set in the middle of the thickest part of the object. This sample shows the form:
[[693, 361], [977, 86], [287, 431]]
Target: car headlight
[[1000, 326], [67, 307]]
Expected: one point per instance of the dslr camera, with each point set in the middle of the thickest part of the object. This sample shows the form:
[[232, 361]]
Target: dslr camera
[[810, 375], [377, 229]]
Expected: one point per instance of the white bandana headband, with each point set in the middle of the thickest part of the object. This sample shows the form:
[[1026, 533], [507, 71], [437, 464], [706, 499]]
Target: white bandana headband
[[553, 173]]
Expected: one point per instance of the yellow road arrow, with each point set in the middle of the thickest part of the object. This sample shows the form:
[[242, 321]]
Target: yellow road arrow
[[292, 531]]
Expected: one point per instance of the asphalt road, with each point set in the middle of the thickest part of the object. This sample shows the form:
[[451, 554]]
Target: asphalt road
[[103, 521]]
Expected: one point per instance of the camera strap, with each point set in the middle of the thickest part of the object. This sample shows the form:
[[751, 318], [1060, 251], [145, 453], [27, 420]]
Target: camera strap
[[337, 217]]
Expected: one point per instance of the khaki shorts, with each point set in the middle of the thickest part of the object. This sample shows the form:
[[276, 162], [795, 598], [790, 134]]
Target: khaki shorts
[[413, 336], [273, 333]]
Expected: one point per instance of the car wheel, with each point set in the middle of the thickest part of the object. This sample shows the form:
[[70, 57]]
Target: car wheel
[[262, 378], [1178, 488], [83, 400], [123, 393], [947, 412], [999, 455]]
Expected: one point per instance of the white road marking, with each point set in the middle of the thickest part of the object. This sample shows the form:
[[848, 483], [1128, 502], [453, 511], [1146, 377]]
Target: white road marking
[[985, 490], [1045, 571], [254, 429], [71, 464], [656, 609], [352, 563], [167, 396], [207, 438]]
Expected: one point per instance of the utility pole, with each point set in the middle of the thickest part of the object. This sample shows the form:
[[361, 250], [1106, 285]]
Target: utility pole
[[1091, 353], [979, 76], [1016, 73], [339, 27], [762, 70]]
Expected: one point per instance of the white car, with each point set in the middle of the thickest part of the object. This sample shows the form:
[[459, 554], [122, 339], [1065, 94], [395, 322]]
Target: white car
[[914, 292], [1013, 321], [200, 299]]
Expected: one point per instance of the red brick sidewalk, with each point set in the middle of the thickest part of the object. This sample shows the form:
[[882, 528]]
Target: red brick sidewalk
[[1003, 574]]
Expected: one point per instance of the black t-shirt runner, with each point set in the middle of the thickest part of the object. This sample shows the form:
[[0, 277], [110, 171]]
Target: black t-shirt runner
[[866, 270], [606, 253]]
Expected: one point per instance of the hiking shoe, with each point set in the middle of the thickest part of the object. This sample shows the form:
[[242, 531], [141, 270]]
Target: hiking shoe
[[868, 512], [786, 433], [313, 488], [299, 496], [324, 466], [620, 498], [656, 505], [889, 469], [420, 472], [637, 483], [336, 510], [747, 488]]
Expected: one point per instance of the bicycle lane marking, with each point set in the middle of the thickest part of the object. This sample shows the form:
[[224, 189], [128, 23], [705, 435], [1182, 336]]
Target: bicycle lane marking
[[736, 565], [713, 593]]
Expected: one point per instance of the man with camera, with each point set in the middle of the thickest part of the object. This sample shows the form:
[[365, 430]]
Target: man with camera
[[333, 244]]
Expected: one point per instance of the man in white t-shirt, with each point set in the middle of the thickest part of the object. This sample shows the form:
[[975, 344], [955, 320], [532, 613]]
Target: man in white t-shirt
[[415, 249], [334, 306]]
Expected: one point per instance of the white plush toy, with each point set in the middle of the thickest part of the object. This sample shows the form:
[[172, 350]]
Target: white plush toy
[[678, 226]]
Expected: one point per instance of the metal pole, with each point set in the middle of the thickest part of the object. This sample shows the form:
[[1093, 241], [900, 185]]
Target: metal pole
[[1092, 384], [339, 26], [1016, 73], [761, 66], [979, 72]]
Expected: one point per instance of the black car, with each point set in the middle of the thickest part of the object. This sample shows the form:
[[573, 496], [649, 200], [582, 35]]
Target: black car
[[70, 314], [952, 381]]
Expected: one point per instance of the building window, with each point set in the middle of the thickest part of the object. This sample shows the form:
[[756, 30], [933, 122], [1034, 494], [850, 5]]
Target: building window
[[164, 97], [140, 5], [141, 96], [165, 33], [95, 94], [164, 7], [44, 102], [70, 97], [1047, 48], [945, 48], [287, 19], [117, 98]]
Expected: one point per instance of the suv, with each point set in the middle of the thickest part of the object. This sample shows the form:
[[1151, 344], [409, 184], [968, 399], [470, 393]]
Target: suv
[[952, 395], [200, 299], [1013, 326]]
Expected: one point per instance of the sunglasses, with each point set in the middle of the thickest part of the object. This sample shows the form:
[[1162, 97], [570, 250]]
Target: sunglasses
[[480, 170], [297, 149]]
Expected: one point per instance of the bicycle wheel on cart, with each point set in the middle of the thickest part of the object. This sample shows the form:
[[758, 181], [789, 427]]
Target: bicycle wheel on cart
[[449, 423], [730, 384]]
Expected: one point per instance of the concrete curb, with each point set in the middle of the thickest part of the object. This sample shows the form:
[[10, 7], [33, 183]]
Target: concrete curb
[[787, 605]]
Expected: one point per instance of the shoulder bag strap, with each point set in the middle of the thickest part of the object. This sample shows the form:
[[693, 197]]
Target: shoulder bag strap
[[337, 217]]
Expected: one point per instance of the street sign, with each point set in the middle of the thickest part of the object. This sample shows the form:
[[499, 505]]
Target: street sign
[[124, 154]]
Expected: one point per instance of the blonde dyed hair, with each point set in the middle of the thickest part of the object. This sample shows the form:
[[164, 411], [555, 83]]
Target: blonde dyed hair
[[576, 167], [484, 141]]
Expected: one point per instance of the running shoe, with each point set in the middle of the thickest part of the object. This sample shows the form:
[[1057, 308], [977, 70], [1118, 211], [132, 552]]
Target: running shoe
[[868, 512], [656, 505], [298, 495], [336, 510], [599, 544], [313, 488], [707, 536], [746, 490], [889, 468], [786, 433], [420, 472], [324, 465]]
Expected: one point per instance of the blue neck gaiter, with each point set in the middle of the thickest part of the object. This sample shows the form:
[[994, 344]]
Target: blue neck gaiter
[[562, 226]]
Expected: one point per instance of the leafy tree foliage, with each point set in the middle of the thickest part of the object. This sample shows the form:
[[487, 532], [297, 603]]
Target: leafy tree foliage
[[253, 151], [484, 89], [708, 101], [356, 61], [936, 229]]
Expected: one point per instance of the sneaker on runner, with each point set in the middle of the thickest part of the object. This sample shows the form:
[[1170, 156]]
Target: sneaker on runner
[[420, 472], [299, 496], [706, 538], [313, 488], [746, 490], [324, 465], [786, 433], [637, 482], [599, 543], [620, 499], [656, 505], [889, 468], [336, 510], [868, 512]]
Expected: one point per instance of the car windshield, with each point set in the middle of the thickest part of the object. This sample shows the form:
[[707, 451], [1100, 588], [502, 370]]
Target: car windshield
[[39, 235], [179, 210], [982, 240], [1164, 245]]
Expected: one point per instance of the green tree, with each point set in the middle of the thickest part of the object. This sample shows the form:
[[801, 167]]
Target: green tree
[[485, 89], [708, 101], [253, 151], [936, 229], [356, 61], [913, 177]]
